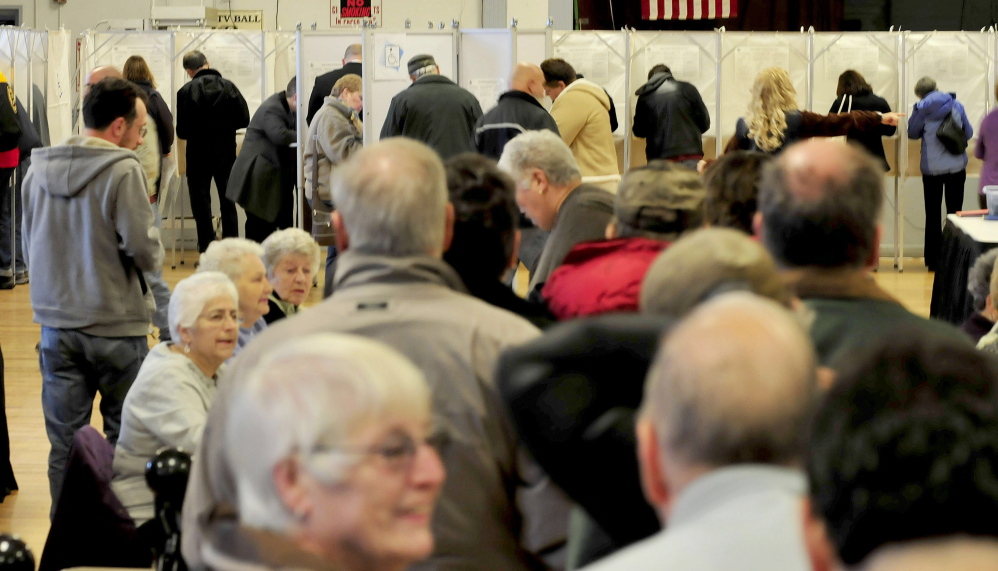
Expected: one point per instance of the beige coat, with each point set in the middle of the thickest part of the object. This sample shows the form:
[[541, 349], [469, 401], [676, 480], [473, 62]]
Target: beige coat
[[338, 134], [582, 113]]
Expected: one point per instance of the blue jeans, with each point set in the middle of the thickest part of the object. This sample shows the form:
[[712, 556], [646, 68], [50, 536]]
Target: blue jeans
[[75, 367], [160, 291]]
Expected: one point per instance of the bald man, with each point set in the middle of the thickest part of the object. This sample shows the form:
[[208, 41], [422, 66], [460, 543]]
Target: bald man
[[719, 443], [519, 110], [819, 216], [324, 83]]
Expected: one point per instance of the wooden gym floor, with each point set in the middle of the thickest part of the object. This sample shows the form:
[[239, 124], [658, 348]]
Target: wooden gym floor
[[26, 512]]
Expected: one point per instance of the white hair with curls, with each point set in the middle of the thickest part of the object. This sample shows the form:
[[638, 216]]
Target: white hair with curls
[[290, 241], [540, 150], [341, 382], [191, 295], [227, 255]]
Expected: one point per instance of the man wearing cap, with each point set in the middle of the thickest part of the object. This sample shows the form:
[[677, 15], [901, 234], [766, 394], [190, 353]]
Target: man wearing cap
[[434, 110], [654, 205]]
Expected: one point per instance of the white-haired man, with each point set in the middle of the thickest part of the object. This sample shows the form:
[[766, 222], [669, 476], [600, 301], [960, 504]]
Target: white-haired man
[[393, 223], [720, 438], [550, 191]]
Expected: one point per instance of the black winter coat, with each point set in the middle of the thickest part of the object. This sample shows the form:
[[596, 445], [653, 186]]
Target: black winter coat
[[209, 110], [516, 112], [871, 140], [671, 115], [263, 175], [436, 111]]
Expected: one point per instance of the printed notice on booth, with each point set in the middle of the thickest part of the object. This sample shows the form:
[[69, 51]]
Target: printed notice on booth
[[750, 60], [354, 13]]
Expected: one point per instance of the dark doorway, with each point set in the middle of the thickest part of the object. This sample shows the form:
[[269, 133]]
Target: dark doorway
[[10, 15]]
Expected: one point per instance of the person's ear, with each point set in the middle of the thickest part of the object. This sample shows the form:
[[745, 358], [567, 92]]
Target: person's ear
[[653, 475], [289, 481], [185, 336], [757, 225], [816, 542], [611, 231], [538, 181], [448, 227], [342, 238], [989, 307]]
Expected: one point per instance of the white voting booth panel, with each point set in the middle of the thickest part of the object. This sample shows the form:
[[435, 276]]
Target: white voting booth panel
[[238, 55], [532, 46], [744, 55], [15, 60], [386, 59], [873, 54], [485, 63], [114, 48], [693, 57], [601, 57], [59, 85]]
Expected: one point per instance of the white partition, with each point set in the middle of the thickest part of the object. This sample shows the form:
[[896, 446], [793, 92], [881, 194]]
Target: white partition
[[319, 53], [602, 58], [744, 55], [114, 48], [15, 60], [532, 46], [280, 60], [692, 56], [873, 54], [485, 64], [59, 85], [386, 57]]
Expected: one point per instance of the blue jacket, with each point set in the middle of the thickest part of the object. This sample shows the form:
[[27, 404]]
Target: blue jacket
[[925, 119]]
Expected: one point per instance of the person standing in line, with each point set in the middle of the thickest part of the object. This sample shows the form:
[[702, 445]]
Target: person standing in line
[[987, 150], [858, 95], [89, 236], [262, 180], [325, 82], [943, 173], [671, 115], [209, 110]]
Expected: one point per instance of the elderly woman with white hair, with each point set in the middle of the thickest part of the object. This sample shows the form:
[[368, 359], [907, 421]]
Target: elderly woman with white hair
[[291, 258], [550, 191], [334, 470], [242, 261], [168, 403]]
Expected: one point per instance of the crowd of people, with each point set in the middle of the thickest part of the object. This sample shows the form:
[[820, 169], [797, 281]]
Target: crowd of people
[[703, 375]]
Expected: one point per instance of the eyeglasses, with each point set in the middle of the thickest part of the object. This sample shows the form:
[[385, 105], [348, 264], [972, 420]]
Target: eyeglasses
[[144, 131], [398, 450]]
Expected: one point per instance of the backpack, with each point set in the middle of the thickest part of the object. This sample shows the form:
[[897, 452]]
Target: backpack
[[951, 135]]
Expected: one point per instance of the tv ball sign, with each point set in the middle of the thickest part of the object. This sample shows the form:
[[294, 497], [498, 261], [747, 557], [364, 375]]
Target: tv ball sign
[[351, 13]]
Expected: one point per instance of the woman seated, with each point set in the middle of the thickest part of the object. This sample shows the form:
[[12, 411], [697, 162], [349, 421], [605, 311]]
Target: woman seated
[[333, 470], [241, 260], [291, 258], [168, 403]]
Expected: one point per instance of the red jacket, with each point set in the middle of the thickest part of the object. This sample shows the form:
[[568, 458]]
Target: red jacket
[[601, 277]]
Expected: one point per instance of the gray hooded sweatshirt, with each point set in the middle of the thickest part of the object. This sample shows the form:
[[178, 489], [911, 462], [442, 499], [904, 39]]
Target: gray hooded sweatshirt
[[88, 233]]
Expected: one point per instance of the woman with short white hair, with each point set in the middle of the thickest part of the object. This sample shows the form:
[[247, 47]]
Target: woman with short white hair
[[333, 471], [291, 258], [168, 403], [242, 261]]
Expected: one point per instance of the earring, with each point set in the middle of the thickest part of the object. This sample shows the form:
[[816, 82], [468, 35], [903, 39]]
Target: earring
[[187, 349]]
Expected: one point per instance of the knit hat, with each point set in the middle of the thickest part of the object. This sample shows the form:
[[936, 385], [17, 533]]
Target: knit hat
[[419, 64], [660, 197], [705, 263]]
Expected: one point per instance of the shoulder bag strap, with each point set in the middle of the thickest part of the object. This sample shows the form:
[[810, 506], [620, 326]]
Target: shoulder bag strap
[[315, 170]]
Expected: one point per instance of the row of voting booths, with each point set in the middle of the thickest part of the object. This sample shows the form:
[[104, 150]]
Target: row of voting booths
[[722, 65]]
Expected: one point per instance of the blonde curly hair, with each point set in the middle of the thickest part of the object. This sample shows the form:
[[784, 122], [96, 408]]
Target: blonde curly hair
[[773, 94]]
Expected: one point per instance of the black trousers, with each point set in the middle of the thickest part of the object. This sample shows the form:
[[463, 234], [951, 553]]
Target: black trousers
[[935, 188], [201, 169]]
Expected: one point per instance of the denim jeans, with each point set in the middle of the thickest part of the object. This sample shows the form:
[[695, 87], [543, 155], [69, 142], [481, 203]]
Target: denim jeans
[[160, 291], [75, 367]]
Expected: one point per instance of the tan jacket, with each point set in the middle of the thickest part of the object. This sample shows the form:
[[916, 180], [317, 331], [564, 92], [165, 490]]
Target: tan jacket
[[582, 113], [337, 131]]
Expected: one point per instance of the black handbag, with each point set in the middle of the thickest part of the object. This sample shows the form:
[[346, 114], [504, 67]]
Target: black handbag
[[322, 224], [951, 135]]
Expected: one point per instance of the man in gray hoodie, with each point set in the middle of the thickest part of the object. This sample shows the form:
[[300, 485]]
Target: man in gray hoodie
[[89, 235]]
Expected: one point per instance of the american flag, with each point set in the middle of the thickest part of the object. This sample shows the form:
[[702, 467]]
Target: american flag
[[688, 9]]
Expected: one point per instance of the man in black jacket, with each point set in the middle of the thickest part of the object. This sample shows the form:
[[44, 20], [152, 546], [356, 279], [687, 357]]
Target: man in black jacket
[[671, 115], [518, 111], [209, 110], [434, 110], [263, 175], [325, 82]]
